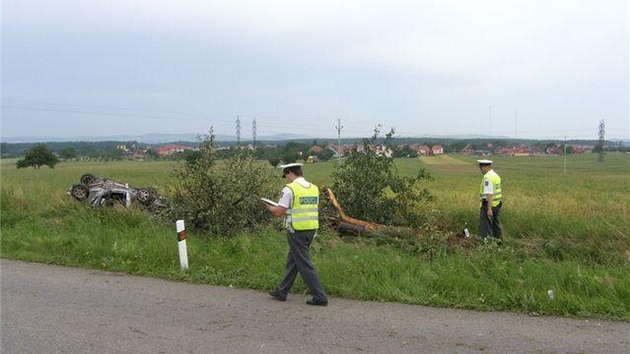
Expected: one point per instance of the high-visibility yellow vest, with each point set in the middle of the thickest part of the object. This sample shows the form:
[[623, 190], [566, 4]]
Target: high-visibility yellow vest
[[496, 183], [304, 214]]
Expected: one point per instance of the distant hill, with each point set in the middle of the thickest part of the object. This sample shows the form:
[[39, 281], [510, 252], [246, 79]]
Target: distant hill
[[157, 138], [144, 138]]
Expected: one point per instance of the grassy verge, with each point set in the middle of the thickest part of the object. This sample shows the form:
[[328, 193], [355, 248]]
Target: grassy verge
[[564, 232]]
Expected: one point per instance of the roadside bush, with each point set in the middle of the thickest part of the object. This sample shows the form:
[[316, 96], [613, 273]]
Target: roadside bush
[[368, 187], [221, 197]]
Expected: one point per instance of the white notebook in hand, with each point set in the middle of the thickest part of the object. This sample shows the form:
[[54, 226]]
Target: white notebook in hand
[[269, 201]]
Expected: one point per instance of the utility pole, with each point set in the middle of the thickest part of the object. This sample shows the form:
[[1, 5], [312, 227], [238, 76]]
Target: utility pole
[[602, 133], [490, 123], [565, 154], [238, 130], [515, 122], [254, 132], [339, 127]]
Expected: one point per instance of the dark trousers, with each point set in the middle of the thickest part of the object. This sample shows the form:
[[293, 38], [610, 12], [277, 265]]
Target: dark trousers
[[490, 227], [299, 261]]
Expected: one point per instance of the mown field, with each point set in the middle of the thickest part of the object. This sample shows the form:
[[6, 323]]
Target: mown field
[[567, 229]]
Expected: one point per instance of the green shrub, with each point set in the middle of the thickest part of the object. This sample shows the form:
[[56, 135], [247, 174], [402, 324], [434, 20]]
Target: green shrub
[[369, 188], [221, 199]]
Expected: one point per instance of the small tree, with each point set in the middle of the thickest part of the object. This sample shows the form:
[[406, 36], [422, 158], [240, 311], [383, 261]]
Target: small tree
[[68, 153], [405, 151], [325, 155], [368, 188], [38, 156], [221, 197]]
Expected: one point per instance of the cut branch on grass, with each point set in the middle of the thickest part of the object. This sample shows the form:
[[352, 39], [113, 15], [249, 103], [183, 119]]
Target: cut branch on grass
[[343, 223], [336, 218]]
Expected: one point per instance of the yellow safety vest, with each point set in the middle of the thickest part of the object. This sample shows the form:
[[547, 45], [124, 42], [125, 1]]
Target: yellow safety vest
[[496, 183], [304, 214]]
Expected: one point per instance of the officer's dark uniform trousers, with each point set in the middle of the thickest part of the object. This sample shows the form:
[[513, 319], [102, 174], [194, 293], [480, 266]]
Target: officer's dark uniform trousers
[[299, 260], [491, 227]]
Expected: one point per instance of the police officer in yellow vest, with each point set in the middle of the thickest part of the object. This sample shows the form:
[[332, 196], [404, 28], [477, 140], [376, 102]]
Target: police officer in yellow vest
[[491, 202], [299, 204]]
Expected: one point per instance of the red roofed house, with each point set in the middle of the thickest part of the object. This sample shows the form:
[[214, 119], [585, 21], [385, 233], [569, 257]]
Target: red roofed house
[[468, 150], [167, 150]]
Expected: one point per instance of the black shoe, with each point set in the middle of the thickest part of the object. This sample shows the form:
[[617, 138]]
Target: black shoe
[[276, 295], [317, 302]]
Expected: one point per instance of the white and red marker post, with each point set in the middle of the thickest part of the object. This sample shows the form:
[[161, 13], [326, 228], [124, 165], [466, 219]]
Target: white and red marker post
[[181, 243]]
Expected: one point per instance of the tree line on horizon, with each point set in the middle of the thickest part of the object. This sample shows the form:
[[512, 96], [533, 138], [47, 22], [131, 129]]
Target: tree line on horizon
[[287, 150]]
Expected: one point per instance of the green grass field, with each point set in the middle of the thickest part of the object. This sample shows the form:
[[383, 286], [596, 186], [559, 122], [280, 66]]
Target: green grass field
[[567, 228]]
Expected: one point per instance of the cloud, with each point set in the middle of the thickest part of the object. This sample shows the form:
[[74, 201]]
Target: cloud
[[447, 36], [398, 62]]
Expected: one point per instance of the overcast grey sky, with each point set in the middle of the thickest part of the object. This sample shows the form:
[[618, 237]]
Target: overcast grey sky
[[522, 68]]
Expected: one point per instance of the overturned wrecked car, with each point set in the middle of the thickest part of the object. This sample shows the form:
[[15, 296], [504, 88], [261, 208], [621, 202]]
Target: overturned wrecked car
[[104, 191]]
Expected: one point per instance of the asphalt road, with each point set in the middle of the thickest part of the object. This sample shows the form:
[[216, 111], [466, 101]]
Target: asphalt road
[[52, 309]]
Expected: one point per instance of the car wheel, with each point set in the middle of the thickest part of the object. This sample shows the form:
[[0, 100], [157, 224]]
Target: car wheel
[[80, 192], [145, 196], [88, 179]]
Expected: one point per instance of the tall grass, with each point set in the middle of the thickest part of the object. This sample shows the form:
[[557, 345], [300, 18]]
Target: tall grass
[[581, 215], [566, 232]]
